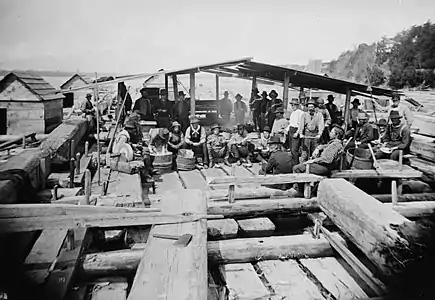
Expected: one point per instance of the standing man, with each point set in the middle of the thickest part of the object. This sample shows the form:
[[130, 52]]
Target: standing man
[[195, 139], [143, 106], [280, 124], [332, 109], [256, 107], [163, 111], [326, 118], [225, 107], [293, 128], [181, 111], [403, 110], [274, 104], [353, 113], [310, 129], [240, 109]]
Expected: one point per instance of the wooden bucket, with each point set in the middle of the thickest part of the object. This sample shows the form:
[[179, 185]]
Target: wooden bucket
[[163, 162], [362, 160], [185, 163]]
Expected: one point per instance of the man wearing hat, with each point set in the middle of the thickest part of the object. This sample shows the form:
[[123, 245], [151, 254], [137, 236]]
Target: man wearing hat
[[217, 147], [325, 157], [143, 106], [364, 133], [326, 118], [240, 109], [163, 111], [263, 145], [195, 139], [397, 137], [275, 102], [225, 107], [292, 130], [332, 109], [256, 105], [181, 110], [310, 129], [280, 124], [124, 96], [353, 113], [159, 142], [133, 128], [241, 149], [403, 110], [176, 138]]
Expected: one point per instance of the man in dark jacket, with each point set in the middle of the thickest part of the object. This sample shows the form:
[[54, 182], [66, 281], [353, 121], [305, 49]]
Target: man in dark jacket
[[332, 109], [256, 107], [143, 106], [163, 111], [364, 133], [181, 110], [397, 137]]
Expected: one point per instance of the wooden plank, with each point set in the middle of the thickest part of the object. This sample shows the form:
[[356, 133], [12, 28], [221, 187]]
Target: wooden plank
[[263, 206], [193, 180], [248, 193], [243, 282], [425, 124], [267, 179], [288, 280], [407, 172], [109, 290], [104, 176], [240, 172], [127, 185], [257, 226], [188, 280], [334, 278], [423, 146], [224, 229], [84, 163], [60, 279], [168, 182], [416, 209], [213, 172], [47, 195], [43, 254], [95, 220]]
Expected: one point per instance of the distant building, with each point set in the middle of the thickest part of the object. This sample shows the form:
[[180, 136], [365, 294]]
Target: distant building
[[74, 98], [28, 104]]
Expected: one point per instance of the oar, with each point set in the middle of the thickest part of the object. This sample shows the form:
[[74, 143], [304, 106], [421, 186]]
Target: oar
[[375, 162]]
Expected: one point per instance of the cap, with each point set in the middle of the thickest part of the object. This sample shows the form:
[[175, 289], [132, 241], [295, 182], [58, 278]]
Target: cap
[[266, 128]]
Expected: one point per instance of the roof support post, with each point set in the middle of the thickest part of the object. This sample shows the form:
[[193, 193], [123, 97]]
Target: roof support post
[[167, 85], [192, 93], [285, 90], [217, 87], [346, 108], [175, 87]]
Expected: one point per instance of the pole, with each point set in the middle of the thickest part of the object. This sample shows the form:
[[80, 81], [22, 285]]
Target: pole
[[192, 93], [346, 108], [285, 90], [217, 87], [175, 87], [97, 110]]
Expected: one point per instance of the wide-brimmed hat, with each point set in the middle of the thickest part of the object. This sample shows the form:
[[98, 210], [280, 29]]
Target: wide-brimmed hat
[[238, 96], [130, 124], [163, 92], [193, 119], [142, 90], [88, 95], [264, 93], [274, 140], [279, 110], [181, 93], [273, 92], [362, 116], [266, 128], [214, 126], [395, 97], [330, 96], [240, 125], [394, 114], [311, 101], [175, 123], [320, 101], [294, 101], [382, 122], [356, 101]]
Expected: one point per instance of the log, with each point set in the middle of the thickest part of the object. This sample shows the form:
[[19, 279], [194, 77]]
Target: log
[[407, 172], [266, 179], [57, 144], [386, 198], [95, 220], [351, 210], [219, 252], [11, 137], [247, 193], [423, 146], [263, 207], [414, 209], [425, 124], [187, 281]]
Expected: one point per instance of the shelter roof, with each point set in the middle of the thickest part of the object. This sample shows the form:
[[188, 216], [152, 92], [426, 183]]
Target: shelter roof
[[82, 77], [34, 83]]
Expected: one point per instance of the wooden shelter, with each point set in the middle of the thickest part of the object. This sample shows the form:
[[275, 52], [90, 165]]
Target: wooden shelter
[[73, 98], [28, 104]]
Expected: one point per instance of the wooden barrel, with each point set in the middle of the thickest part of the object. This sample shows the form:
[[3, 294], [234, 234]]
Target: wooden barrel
[[162, 162], [185, 163], [362, 160]]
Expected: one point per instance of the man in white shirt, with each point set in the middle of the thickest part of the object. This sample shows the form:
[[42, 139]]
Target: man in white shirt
[[280, 124], [195, 139], [403, 110], [292, 130]]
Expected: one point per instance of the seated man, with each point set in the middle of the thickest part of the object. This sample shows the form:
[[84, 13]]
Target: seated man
[[159, 142], [217, 147], [364, 133], [397, 137], [263, 145], [279, 162], [240, 147], [195, 140], [325, 157]]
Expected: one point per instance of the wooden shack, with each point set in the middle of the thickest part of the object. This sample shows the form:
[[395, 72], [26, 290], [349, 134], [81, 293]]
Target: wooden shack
[[74, 98], [28, 104]]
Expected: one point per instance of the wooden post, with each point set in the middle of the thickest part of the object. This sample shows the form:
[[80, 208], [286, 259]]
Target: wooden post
[[231, 189], [70, 240], [192, 93], [394, 192], [24, 142], [88, 179], [43, 171], [175, 86], [400, 160], [307, 187], [167, 85], [217, 87], [71, 149], [78, 163], [86, 149], [97, 110], [285, 90], [346, 108], [71, 171]]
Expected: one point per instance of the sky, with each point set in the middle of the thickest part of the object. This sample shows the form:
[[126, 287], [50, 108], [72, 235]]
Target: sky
[[138, 36]]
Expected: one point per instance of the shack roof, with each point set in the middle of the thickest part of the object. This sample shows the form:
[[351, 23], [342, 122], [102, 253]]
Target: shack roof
[[34, 83], [76, 76]]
